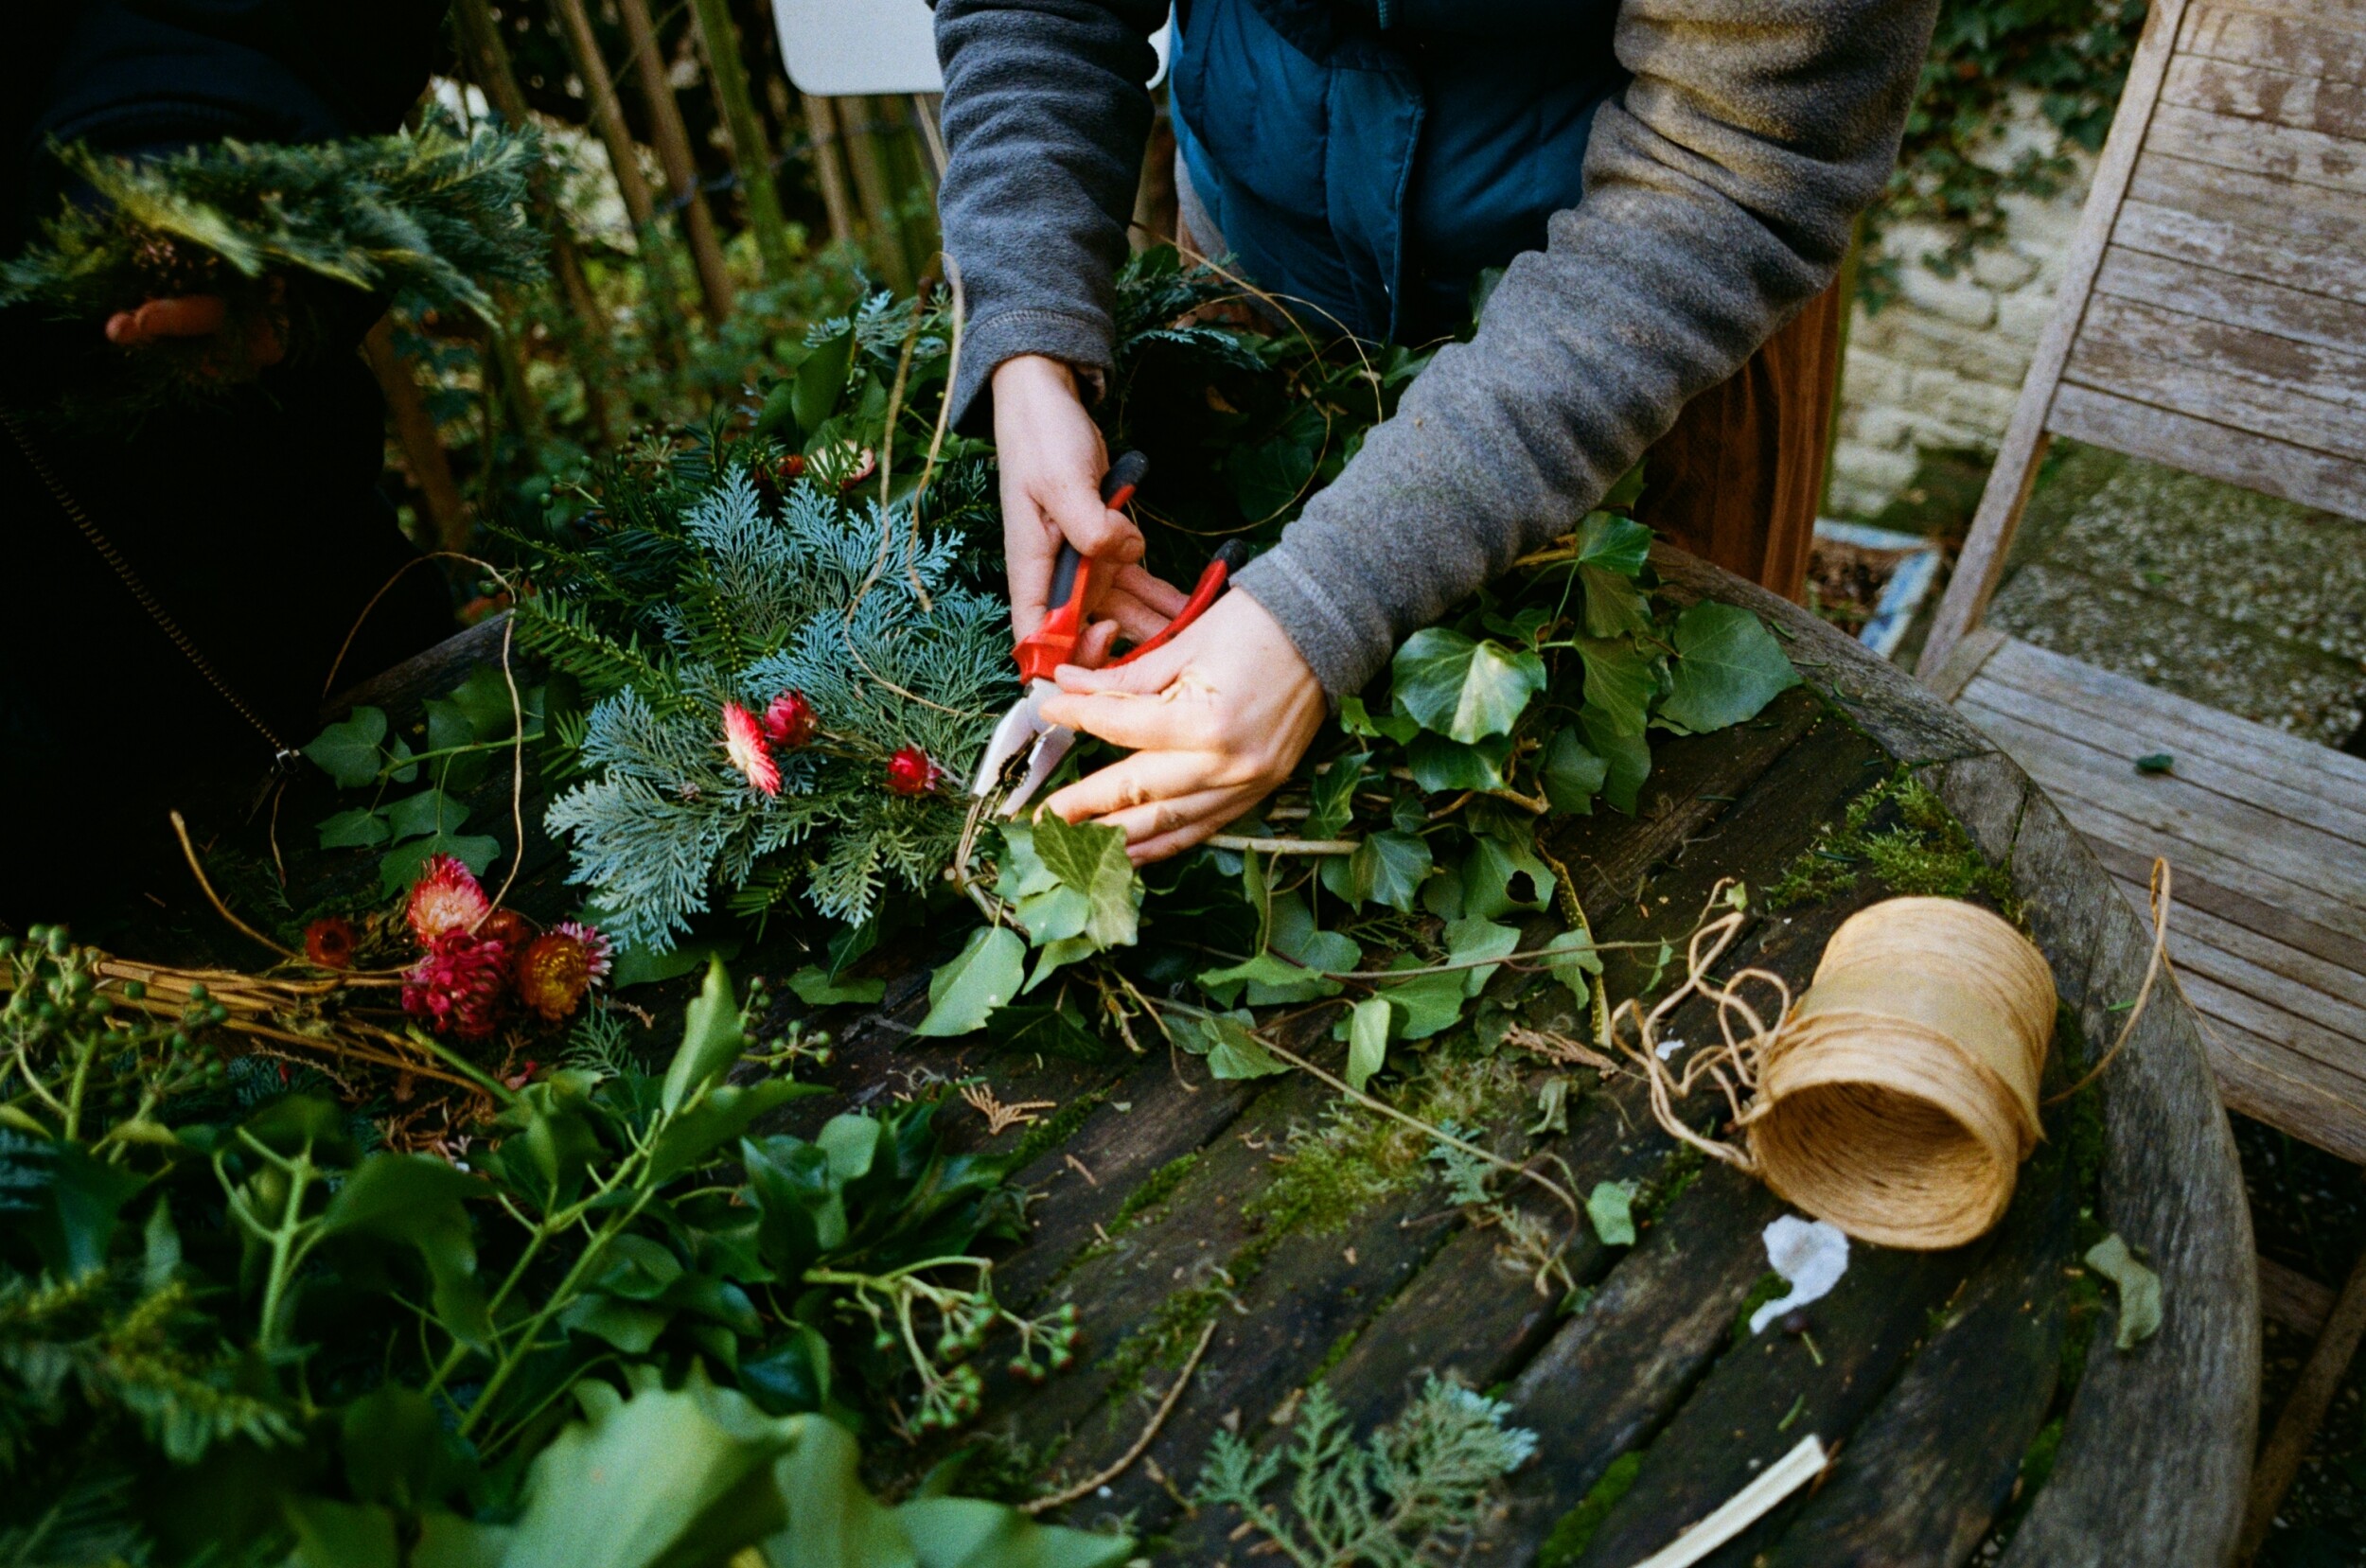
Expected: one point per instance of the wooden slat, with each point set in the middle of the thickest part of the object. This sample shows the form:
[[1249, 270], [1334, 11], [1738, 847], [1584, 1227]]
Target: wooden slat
[[2331, 776], [1981, 565], [2262, 989], [2117, 329], [2260, 147], [2284, 1030], [2291, 42], [2121, 738], [2259, 965], [2259, 92], [2288, 1091], [2215, 451], [2238, 301], [2300, 858], [2341, 12], [2248, 224], [2290, 1298], [2108, 363], [2197, 890]]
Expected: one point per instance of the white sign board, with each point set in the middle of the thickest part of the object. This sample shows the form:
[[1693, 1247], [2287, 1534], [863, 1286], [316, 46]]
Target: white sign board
[[836, 48]]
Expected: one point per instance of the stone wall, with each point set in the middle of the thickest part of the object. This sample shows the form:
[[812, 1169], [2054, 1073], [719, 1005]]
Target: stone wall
[[1940, 365]]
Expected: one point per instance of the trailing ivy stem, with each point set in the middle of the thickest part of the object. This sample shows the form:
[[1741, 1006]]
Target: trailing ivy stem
[[284, 1255], [515, 1356], [74, 1091]]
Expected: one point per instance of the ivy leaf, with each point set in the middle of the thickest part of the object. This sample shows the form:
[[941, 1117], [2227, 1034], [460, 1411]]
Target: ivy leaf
[[1428, 1002], [429, 812], [1367, 1040], [711, 1039], [399, 867], [483, 701], [1091, 860], [1023, 873], [1627, 760], [1441, 764], [1572, 775], [1611, 1207], [1728, 667], [353, 830], [347, 753], [820, 382], [415, 1200], [1462, 689], [1619, 683], [1333, 796], [1356, 720], [984, 975], [1234, 1052], [1610, 542], [1056, 956], [2138, 1288], [1473, 937], [1386, 868], [447, 728], [1572, 959], [1269, 979], [971, 1532], [1611, 549], [1268, 477], [1057, 914], [1499, 877], [814, 988]]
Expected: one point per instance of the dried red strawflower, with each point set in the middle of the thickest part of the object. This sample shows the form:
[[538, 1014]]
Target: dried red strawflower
[[508, 927], [329, 941], [743, 741], [791, 721], [553, 974], [459, 987], [446, 897], [911, 772], [792, 466]]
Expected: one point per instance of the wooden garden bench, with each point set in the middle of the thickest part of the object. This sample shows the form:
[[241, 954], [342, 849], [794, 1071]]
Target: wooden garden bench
[[2212, 319]]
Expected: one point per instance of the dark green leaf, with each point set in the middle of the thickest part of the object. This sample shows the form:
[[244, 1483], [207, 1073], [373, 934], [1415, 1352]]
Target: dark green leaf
[[1367, 1040], [1618, 685], [399, 867], [1461, 689], [1333, 796], [1439, 764], [1728, 666], [1356, 720], [353, 830], [429, 812], [697, 1132], [631, 1326], [1627, 759], [1572, 774], [711, 1041], [986, 973], [2158, 762], [820, 382], [348, 753], [1091, 860], [416, 1199], [1472, 938], [1386, 868], [1499, 877], [814, 988], [1427, 1003]]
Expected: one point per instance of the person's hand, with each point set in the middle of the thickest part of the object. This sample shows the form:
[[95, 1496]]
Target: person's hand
[[190, 316], [1052, 459], [1216, 720]]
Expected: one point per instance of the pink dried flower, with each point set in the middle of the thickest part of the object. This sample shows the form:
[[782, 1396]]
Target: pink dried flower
[[791, 721], [446, 897], [742, 740], [597, 950], [459, 987]]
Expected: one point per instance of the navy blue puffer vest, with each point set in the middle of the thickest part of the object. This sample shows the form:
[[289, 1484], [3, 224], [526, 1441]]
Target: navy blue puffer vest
[[1374, 170]]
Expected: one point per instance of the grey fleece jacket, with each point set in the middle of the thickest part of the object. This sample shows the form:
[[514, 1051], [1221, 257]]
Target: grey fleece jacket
[[1719, 187]]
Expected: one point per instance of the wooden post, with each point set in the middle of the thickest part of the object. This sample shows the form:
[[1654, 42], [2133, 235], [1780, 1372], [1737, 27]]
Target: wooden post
[[750, 154], [623, 157], [489, 62], [672, 139], [860, 137], [2296, 1425], [822, 129], [414, 432]]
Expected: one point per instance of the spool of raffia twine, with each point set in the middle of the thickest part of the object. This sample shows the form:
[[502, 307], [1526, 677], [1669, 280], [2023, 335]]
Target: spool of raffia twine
[[1899, 1094]]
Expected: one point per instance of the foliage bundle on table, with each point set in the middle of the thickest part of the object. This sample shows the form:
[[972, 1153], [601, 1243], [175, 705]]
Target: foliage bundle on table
[[293, 238], [235, 1329], [789, 561]]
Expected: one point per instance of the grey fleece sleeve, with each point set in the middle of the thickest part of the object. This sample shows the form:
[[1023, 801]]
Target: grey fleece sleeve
[[1047, 110], [1719, 195]]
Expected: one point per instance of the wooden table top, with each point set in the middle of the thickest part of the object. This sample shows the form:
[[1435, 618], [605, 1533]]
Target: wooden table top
[[1960, 1390]]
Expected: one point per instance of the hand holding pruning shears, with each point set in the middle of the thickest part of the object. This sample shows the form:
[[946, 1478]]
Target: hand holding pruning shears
[[1218, 706]]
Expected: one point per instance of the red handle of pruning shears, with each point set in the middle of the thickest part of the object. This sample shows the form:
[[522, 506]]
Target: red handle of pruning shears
[[1230, 557], [1049, 645]]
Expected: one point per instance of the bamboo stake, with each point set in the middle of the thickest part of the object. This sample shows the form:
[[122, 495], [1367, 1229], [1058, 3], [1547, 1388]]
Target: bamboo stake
[[822, 129], [672, 139], [623, 157], [751, 155], [414, 431], [488, 61]]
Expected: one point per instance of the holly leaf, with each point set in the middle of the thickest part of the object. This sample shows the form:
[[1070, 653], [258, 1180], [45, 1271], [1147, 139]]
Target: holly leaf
[[2138, 1288], [1091, 860], [353, 830], [1462, 689], [428, 812], [1618, 685], [984, 975], [1611, 1207], [1367, 1040], [1438, 762], [1572, 774], [814, 987], [1728, 666], [348, 753]]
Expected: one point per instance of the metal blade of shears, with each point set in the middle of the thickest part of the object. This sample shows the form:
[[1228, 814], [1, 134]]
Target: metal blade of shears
[[1024, 728]]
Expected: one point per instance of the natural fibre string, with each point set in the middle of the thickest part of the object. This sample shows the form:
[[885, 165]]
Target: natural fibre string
[[1897, 1095]]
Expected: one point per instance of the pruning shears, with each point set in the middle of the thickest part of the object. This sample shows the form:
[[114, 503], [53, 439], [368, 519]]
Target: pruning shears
[[1054, 643]]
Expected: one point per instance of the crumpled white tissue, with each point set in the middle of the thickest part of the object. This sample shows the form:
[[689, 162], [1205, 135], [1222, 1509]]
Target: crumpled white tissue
[[1810, 1255]]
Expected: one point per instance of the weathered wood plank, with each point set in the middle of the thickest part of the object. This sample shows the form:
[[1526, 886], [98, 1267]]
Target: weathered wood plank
[[2289, 1031], [2264, 306], [2193, 1388], [2288, 1091], [2258, 964], [1981, 565], [2215, 451], [2261, 147], [2275, 846], [2326, 386], [1924, 1478], [2244, 223], [2197, 890], [2310, 44], [2260, 92], [2238, 402], [2123, 737], [2336, 12], [2290, 1298], [2333, 777]]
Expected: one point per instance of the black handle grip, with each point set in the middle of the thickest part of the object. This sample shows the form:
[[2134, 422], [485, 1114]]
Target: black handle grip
[[1064, 574], [1124, 475], [1233, 554]]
